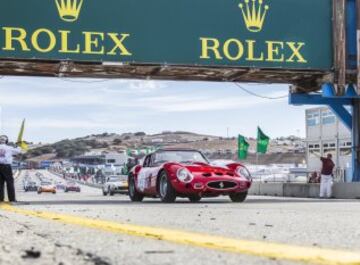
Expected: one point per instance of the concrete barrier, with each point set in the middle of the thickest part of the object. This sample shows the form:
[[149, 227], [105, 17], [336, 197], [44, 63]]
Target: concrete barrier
[[267, 189], [304, 190], [93, 185], [272, 189], [255, 188], [346, 190]]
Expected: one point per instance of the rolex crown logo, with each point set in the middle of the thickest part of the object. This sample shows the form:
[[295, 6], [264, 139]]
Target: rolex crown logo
[[69, 10], [254, 14]]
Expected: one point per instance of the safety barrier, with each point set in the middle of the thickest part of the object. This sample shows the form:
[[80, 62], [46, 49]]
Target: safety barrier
[[304, 190], [93, 185]]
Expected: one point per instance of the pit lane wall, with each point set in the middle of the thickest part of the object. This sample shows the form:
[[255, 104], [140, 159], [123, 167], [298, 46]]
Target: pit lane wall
[[304, 190]]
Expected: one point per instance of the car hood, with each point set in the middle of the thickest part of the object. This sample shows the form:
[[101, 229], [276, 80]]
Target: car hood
[[204, 168], [118, 183], [47, 187]]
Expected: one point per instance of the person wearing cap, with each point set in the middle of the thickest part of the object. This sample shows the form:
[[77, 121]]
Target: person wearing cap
[[326, 176], [6, 175]]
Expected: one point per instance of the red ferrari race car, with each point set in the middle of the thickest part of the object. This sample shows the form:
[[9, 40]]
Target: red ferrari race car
[[168, 173], [72, 186]]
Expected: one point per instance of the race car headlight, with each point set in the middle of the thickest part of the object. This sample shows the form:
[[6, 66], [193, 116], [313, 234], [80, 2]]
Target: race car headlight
[[184, 175], [242, 171]]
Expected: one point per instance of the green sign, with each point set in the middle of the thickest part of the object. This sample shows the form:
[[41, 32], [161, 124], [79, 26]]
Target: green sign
[[288, 34]]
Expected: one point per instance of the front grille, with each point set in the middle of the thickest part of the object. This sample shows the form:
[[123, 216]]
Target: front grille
[[222, 185], [218, 174], [207, 174]]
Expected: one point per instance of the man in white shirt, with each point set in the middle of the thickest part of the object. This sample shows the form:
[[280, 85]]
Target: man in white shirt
[[6, 176]]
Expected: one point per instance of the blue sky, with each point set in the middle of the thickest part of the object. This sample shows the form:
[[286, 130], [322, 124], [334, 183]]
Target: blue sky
[[58, 108]]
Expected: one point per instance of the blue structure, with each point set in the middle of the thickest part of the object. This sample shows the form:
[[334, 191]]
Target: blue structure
[[340, 104]]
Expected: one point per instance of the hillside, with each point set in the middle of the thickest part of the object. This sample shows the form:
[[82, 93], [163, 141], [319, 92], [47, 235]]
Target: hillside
[[213, 146]]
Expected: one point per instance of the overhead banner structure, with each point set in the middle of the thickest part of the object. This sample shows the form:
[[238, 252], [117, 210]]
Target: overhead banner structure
[[286, 34]]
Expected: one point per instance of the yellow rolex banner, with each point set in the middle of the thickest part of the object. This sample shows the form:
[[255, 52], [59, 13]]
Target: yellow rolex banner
[[20, 142]]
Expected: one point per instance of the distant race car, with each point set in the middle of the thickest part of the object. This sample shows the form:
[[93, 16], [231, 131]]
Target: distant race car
[[168, 173], [30, 186], [115, 184], [46, 186], [60, 186], [72, 186]]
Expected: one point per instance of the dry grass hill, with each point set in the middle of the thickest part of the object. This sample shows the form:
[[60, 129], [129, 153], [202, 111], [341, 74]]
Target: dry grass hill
[[281, 150]]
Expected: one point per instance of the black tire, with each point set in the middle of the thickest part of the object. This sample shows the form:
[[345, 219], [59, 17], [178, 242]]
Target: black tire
[[104, 193], [166, 191], [195, 198], [66, 190], [238, 197], [110, 192], [134, 195], [39, 192]]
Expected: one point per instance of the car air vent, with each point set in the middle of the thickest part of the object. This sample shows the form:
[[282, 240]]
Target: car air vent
[[219, 174], [222, 185], [206, 174]]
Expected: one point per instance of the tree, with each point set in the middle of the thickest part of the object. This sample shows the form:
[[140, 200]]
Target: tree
[[117, 141]]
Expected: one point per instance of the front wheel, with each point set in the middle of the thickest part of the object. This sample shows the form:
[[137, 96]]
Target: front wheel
[[166, 190], [238, 197], [134, 195]]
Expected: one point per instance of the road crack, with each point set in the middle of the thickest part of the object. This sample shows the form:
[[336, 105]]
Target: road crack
[[87, 256]]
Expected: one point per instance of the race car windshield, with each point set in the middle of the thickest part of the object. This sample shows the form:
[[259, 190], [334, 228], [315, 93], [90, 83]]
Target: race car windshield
[[114, 180], [45, 183], [185, 157]]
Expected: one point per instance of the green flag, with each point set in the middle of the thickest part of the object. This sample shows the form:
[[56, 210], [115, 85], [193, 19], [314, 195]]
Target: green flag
[[243, 147], [128, 151], [262, 142]]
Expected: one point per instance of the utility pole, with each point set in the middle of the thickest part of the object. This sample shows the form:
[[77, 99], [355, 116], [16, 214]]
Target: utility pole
[[356, 106], [1, 121]]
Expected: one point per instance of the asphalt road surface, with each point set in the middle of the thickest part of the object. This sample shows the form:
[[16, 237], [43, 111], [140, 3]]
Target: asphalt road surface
[[88, 228]]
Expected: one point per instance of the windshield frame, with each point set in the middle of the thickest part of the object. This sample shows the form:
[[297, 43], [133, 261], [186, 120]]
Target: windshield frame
[[157, 163]]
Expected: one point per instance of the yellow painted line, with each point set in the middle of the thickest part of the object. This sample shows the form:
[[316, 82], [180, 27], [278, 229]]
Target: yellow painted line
[[255, 248]]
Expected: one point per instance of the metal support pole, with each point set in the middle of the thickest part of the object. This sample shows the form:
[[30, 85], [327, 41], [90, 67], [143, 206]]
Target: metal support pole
[[356, 141], [356, 107], [339, 8]]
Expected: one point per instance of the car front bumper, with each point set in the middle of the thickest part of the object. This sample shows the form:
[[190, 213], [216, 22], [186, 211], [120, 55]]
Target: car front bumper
[[120, 189], [211, 186]]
